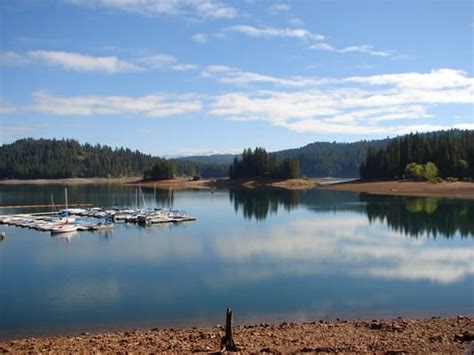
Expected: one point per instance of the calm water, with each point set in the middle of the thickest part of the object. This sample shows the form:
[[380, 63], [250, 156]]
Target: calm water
[[272, 255]]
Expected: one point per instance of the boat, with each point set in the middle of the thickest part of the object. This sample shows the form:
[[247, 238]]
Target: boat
[[103, 226], [64, 228]]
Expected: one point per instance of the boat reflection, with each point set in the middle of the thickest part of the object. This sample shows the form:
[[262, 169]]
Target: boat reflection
[[66, 236]]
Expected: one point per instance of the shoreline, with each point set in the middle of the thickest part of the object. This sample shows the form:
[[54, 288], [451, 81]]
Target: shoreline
[[177, 183], [435, 334], [458, 189]]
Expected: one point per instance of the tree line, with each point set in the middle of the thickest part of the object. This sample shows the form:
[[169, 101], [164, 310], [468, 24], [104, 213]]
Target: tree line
[[447, 154], [54, 159], [260, 164]]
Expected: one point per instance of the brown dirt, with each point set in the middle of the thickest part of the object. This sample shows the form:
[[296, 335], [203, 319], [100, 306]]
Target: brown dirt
[[457, 189], [400, 336]]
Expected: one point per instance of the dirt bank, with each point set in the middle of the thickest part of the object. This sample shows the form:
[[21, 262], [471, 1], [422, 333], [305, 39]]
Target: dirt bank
[[409, 188], [399, 336]]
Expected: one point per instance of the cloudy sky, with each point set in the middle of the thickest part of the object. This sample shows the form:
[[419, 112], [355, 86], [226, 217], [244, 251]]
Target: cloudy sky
[[198, 76]]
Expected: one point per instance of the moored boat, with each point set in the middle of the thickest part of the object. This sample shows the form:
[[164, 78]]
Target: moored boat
[[64, 228]]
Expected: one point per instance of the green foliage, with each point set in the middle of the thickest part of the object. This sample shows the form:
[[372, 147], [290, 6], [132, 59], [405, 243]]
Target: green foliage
[[196, 177], [451, 153], [430, 171], [415, 171], [162, 169], [260, 164], [53, 159]]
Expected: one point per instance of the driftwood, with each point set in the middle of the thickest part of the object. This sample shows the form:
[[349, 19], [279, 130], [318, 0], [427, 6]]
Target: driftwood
[[227, 341]]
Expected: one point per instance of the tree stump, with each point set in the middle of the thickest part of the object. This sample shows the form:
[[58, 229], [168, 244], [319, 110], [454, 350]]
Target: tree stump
[[227, 341]]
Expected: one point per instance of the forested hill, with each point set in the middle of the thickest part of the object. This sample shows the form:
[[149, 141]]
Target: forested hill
[[323, 159], [51, 159], [46, 158], [423, 156], [318, 159]]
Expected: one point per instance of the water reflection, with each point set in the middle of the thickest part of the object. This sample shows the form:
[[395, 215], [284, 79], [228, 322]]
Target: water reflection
[[418, 216], [335, 254], [260, 203], [412, 216]]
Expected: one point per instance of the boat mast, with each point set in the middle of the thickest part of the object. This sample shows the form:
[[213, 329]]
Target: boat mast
[[65, 196]]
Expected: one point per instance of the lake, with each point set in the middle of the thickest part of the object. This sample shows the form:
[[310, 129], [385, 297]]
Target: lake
[[270, 254]]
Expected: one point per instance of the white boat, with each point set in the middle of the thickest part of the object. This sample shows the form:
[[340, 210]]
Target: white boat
[[103, 227], [64, 228]]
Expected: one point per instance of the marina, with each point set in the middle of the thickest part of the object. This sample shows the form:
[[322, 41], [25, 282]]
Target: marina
[[78, 219], [81, 219]]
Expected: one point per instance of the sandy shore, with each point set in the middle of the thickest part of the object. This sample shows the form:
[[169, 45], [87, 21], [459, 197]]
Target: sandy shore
[[399, 336], [408, 188], [176, 184], [183, 183]]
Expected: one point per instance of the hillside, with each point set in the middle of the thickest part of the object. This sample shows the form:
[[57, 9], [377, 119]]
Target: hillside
[[45, 158], [53, 159], [319, 159]]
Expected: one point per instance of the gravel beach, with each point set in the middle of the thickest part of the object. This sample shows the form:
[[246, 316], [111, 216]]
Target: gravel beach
[[398, 336]]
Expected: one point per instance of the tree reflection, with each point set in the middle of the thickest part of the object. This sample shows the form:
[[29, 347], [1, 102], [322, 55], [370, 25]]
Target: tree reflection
[[259, 203], [412, 216], [415, 216]]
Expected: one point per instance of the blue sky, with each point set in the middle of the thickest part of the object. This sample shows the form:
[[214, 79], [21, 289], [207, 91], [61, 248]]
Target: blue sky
[[194, 77]]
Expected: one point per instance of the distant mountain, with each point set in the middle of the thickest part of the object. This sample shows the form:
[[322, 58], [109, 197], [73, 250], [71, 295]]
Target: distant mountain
[[322, 159], [319, 159], [225, 159]]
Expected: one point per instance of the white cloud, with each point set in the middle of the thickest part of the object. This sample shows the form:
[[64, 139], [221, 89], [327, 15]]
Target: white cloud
[[164, 61], [304, 34], [195, 8], [380, 104], [87, 63], [315, 247], [278, 8], [153, 105], [11, 58], [192, 151], [184, 67], [366, 49], [7, 107], [157, 61], [385, 104], [199, 38], [444, 78], [213, 9], [299, 33], [232, 75], [81, 62], [296, 21]]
